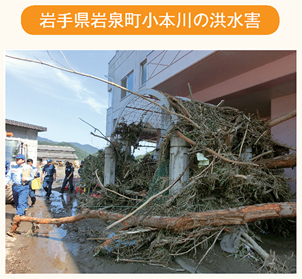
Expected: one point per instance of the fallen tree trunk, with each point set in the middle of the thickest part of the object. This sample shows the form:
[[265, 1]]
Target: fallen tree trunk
[[86, 214], [285, 161], [233, 216]]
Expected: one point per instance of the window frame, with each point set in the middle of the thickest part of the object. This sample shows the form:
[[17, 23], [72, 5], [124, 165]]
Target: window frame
[[143, 72], [110, 98], [125, 93]]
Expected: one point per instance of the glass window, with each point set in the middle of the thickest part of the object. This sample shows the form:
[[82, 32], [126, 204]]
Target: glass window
[[143, 72], [130, 82], [124, 84], [127, 82], [110, 98]]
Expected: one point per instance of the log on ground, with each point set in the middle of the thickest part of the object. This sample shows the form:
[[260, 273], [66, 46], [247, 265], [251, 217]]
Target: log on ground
[[232, 216]]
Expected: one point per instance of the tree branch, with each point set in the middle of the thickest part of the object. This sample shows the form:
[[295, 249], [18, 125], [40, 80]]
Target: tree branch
[[215, 153], [106, 189], [282, 118], [148, 201]]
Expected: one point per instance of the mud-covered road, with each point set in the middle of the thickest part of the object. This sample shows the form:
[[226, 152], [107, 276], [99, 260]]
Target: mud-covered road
[[69, 248]]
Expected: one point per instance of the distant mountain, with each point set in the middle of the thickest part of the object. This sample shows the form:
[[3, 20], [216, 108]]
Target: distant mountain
[[86, 147], [45, 139], [82, 150]]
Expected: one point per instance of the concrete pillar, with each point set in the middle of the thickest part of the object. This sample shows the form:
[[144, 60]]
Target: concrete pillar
[[179, 160], [109, 168]]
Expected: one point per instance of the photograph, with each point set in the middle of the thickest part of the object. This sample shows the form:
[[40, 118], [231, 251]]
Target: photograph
[[135, 154]]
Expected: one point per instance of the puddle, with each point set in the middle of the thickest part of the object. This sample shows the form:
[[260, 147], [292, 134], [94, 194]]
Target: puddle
[[61, 205], [49, 240], [50, 234], [54, 249], [70, 202]]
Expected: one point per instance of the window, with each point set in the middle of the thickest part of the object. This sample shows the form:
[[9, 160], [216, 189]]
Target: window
[[143, 72], [127, 82], [110, 98], [113, 123]]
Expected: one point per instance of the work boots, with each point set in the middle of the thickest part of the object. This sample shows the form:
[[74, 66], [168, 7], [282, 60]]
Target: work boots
[[33, 201]]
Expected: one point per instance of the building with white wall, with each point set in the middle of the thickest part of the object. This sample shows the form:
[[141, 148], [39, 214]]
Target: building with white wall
[[26, 135], [142, 69], [262, 82]]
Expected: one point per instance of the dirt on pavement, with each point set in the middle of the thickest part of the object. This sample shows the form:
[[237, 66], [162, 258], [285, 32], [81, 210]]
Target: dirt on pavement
[[69, 248]]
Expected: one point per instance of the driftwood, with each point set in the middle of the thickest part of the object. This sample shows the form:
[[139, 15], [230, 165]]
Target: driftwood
[[283, 145], [252, 243], [182, 136], [233, 216], [285, 161], [106, 189], [228, 160], [148, 201], [282, 118]]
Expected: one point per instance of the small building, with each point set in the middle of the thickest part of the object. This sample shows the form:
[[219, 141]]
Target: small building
[[24, 138], [56, 153]]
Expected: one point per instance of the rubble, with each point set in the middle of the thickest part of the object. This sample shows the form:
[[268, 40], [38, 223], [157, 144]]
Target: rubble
[[227, 151], [236, 146]]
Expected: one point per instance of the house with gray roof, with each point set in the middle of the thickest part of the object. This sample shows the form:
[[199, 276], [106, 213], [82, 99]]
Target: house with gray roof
[[24, 137], [56, 153]]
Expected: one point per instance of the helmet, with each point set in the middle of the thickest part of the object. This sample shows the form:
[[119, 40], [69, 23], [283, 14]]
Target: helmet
[[20, 156]]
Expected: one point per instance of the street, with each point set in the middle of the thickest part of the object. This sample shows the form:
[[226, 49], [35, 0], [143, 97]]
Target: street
[[66, 249]]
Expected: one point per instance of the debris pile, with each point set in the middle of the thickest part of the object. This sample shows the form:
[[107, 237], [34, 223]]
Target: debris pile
[[227, 147], [230, 186]]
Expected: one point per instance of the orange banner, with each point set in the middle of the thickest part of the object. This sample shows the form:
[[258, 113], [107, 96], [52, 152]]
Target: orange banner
[[150, 20]]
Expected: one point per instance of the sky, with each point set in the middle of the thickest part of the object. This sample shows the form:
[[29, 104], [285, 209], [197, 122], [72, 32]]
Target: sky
[[40, 95]]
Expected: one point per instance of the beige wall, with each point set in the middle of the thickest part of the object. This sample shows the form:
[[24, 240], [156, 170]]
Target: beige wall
[[261, 75], [285, 132]]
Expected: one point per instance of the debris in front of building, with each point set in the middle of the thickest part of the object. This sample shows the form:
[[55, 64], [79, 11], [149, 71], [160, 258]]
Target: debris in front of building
[[219, 183]]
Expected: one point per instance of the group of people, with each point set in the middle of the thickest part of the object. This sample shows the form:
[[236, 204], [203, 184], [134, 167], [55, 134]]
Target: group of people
[[49, 174], [21, 187]]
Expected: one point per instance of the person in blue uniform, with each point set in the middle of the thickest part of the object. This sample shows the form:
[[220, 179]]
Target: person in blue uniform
[[20, 183], [36, 174], [80, 168], [50, 173], [68, 177]]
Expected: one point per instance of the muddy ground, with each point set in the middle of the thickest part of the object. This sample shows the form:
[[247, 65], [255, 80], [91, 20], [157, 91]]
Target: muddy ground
[[69, 248]]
